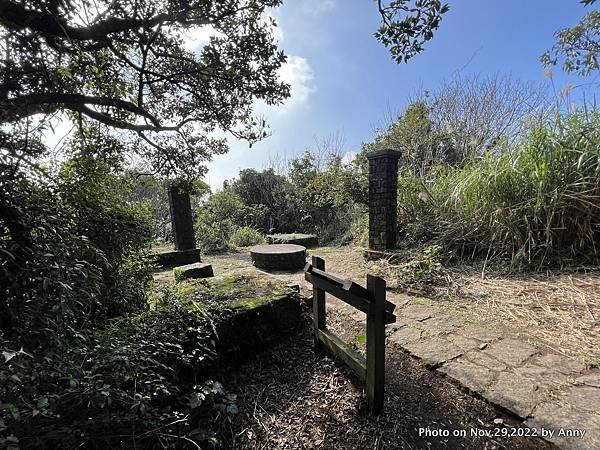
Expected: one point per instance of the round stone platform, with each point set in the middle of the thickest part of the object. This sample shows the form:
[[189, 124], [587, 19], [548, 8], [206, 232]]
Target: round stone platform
[[278, 256], [306, 240]]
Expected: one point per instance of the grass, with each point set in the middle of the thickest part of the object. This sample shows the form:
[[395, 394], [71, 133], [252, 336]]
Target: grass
[[559, 308], [537, 202]]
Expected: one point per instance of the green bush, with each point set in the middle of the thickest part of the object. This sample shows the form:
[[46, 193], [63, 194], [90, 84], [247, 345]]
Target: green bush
[[141, 383], [72, 256], [120, 229], [219, 219], [358, 233], [245, 237], [422, 271], [51, 274], [216, 221]]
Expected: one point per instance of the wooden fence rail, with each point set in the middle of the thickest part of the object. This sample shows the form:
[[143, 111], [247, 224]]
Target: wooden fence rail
[[379, 313]]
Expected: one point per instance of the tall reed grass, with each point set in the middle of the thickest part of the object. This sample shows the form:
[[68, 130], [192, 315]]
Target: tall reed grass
[[537, 201]]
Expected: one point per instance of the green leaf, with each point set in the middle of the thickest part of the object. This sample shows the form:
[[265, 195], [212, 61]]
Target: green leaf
[[8, 355], [197, 399], [232, 409], [65, 72]]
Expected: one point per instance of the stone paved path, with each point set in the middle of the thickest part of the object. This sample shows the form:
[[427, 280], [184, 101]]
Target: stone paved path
[[508, 369], [542, 388]]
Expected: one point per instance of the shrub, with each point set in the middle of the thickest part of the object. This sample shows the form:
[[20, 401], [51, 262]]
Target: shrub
[[51, 278], [422, 271], [121, 230], [219, 218], [216, 221], [358, 233], [72, 252], [140, 382], [245, 237]]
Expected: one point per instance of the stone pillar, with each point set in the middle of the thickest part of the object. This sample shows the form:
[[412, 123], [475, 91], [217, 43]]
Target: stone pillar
[[181, 218], [383, 198]]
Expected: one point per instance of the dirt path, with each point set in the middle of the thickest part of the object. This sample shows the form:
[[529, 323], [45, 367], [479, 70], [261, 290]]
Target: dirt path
[[291, 398], [481, 354]]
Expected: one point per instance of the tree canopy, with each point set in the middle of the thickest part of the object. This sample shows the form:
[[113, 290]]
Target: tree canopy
[[407, 25], [578, 47], [124, 64]]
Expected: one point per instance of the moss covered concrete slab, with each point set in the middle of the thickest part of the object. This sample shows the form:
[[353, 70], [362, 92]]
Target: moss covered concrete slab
[[251, 312], [193, 271]]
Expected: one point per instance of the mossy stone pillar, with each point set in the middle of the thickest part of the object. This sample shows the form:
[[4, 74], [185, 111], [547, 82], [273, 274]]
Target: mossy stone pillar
[[383, 198], [181, 218]]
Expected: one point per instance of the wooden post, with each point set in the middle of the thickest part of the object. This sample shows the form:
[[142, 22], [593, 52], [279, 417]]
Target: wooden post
[[375, 344], [318, 304]]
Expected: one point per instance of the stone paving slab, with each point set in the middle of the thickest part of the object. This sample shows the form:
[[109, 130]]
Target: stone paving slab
[[584, 398], [465, 344], [510, 351], [485, 360], [560, 363], [544, 376], [540, 387], [405, 335], [475, 377], [480, 333], [434, 351], [416, 312], [514, 393], [590, 379], [558, 417], [439, 325]]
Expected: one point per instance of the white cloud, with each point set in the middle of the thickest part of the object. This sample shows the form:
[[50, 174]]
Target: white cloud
[[298, 73], [199, 36], [348, 157], [318, 7]]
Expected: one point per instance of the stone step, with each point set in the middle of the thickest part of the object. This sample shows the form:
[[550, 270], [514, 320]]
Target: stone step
[[193, 271], [174, 258]]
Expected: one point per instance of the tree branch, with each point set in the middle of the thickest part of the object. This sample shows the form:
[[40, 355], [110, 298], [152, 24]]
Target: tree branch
[[12, 109], [15, 16]]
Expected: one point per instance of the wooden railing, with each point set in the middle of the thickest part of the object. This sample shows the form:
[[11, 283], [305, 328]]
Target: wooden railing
[[379, 313]]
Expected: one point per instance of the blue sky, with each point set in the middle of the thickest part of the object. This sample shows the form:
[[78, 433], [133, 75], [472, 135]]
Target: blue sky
[[343, 81]]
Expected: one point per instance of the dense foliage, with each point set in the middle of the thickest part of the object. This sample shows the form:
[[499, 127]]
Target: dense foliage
[[533, 198], [124, 64], [139, 383], [68, 245], [310, 198], [537, 201]]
